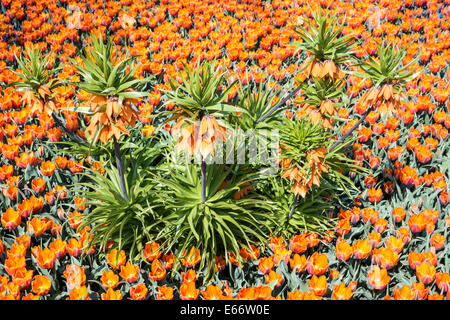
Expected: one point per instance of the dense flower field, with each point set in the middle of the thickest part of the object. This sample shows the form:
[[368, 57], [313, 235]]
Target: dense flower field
[[389, 242]]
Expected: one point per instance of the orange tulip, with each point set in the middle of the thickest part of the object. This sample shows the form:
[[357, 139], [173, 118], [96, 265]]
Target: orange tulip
[[249, 253], [111, 295], [10, 219], [265, 264], [158, 272], [109, 279], [425, 272], [47, 168], [58, 247], [75, 276], [188, 291], [16, 250], [417, 222], [420, 290], [116, 261], [385, 258], [22, 277], [30, 296], [129, 272], [80, 293], [212, 292], [46, 258], [168, 261], [396, 244], [404, 293], [152, 251], [281, 254], [73, 247], [190, 259], [317, 264], [374, 195], [318, 285], [341, 292], [343, 250], [378, 278], [361, 249], [6, 172], [273, 276], [443, 281], [164, 293], [138, 292], [298, 262], [41, 285], [435, 296], [36, 226], [219, 264], [398, 214]]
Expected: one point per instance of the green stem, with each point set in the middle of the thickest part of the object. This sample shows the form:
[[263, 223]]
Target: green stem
[[202, 169], [203, 179], [294, 204], [120, 168]]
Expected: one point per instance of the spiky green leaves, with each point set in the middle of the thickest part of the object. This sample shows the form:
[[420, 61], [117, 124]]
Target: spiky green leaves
[[323, 39], [104, 73], [219, 225], [34, 70], [203, 88], [388, 68]]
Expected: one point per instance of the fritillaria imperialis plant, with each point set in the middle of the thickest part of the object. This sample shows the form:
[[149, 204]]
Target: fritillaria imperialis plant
[[111, 89], [199, 95], [313, 171], [122, 208], [124, 223], [218, 225], [328, 49], [38, 82], [204, 205], [388, 75], [255, 107]]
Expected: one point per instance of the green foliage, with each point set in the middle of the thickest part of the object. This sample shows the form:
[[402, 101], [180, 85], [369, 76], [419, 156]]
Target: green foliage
[[256, 103], [322, 90], [219, 225], [127, 222], [298, 137], [310, 214]]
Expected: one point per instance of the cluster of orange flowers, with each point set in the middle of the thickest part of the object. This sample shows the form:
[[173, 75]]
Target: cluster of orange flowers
[[197, 138], [304, 180]]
